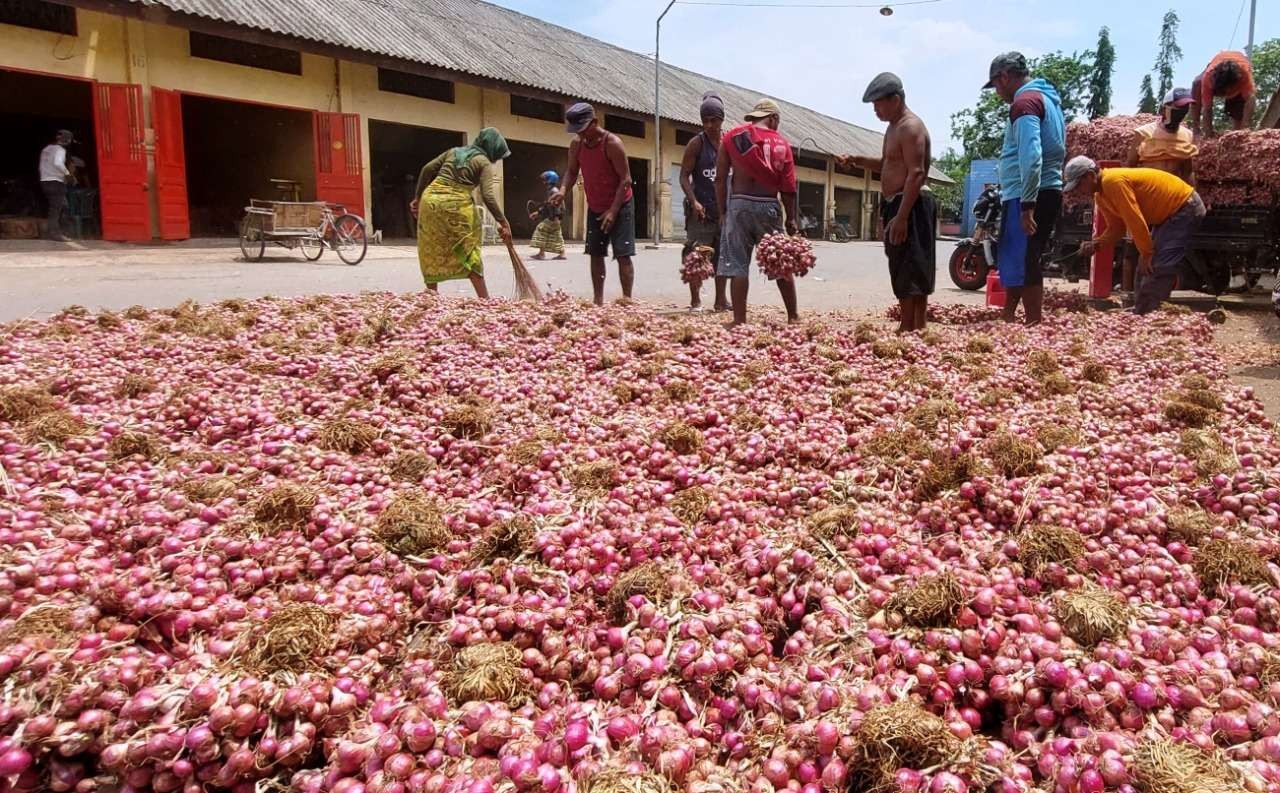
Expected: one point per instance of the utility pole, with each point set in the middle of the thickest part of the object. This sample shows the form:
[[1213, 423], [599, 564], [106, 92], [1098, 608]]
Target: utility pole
[[1253, 17], [655, 213]]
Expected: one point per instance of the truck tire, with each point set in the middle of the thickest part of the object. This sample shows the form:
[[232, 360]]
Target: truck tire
[[968, 267]]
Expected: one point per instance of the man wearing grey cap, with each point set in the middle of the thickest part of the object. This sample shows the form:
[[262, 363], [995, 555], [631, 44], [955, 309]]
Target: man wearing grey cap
[[1035, 147], [909, 211], [606, 179], [1160, 211]]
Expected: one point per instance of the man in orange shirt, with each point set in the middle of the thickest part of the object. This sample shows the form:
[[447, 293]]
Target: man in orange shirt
[[1160, 211], [1230, 76]]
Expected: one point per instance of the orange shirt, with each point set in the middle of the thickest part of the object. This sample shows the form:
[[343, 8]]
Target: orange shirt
[[1243, 87], [1137, 199]]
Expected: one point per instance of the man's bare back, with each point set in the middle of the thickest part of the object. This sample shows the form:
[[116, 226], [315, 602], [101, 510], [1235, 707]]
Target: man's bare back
[[893, 172]]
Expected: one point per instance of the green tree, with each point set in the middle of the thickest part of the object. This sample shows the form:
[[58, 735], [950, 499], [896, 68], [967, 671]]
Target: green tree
[[1266, 74], [951, 196], [1147, 104], [1169, 54], [980, 129], [1104, 66]]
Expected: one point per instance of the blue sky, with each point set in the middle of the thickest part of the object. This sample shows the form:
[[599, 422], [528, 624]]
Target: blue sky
[[823, 58]]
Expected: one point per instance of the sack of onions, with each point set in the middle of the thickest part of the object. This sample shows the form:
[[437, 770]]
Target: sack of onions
[[698, 265], [783, 256]]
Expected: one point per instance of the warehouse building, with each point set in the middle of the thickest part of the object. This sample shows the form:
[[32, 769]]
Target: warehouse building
[[185, 109]]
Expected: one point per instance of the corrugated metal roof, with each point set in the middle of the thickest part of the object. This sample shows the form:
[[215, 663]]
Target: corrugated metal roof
[[486, 40]]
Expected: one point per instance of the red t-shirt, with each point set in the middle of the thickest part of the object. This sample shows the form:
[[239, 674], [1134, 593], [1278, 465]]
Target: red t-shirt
[[763, 154]]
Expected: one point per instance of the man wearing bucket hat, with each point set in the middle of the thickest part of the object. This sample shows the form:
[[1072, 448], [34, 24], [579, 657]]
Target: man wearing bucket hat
[[753, 168], [909, 211], [606, 178], [1031, 158], [1160, 211]]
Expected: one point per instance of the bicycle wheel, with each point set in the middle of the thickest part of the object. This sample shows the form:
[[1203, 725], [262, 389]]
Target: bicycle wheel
[[253, 240], [349, 239], [312, 248]]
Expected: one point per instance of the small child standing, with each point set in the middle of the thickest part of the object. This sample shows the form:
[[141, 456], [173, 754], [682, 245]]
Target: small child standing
[[547, 237]]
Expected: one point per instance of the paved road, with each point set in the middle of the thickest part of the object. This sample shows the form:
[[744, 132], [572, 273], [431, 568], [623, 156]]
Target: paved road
[[38, 278]]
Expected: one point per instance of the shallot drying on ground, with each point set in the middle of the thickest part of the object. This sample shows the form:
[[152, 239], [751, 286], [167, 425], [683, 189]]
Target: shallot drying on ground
[[402, 543]]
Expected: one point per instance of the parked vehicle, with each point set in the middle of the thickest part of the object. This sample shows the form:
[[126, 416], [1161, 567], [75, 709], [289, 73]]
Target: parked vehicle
[[975, 256], [311, 226]]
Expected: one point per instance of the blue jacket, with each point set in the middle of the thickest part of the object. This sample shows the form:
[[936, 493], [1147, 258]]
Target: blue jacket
[[1035, 144]]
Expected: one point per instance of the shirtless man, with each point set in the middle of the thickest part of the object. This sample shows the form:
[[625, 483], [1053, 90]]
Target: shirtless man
[[756, 162], [909, 211]]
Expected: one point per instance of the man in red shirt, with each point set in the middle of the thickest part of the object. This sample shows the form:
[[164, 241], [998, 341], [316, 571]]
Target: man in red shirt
[[1230, 76], [606, 179], [753, 168]]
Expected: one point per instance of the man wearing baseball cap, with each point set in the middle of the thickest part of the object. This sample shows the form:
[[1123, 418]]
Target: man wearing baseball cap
[[606, 179], [756, 162], [1035, 146], [1160, 211], [909, 211]]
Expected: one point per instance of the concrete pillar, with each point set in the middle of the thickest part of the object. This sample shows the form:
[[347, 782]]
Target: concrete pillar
[[830, 198], [867, 217]]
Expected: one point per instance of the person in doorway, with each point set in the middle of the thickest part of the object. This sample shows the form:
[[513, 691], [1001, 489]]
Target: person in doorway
[[1160, 211], [1031, 159], [698, 181], [449, 227], [1230, 76], [910, 213], [598, 155], [753, 168], [54, 175], [548, 237]]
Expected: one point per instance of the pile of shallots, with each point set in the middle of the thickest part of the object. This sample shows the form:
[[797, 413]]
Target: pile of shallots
[[403, 544], [784, 256]]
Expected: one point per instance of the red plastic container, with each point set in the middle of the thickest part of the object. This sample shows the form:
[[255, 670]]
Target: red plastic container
[[995, 292]]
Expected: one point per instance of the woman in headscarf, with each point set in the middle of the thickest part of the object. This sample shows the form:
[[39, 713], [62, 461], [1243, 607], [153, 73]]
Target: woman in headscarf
[[548, 237], [449, 226]]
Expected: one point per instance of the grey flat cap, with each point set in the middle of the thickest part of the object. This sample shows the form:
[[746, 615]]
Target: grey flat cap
[[884, 84], [1005, 62]]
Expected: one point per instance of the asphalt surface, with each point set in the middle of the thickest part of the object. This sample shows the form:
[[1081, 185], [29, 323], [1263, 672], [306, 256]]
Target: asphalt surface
[[38, 278]]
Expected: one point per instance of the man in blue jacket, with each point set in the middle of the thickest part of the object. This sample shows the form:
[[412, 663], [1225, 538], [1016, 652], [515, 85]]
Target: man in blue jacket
[[1031, 161]]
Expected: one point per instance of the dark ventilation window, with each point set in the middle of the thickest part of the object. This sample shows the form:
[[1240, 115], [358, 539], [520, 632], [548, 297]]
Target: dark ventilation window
[[259, 56], [875, 176], [683, 136], [418, 85], [39, 15], [805, 161], [621, 125], [541, 109]]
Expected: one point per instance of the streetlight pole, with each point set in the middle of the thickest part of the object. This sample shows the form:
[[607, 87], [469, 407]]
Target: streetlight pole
[[1253, 17], [655, 213]]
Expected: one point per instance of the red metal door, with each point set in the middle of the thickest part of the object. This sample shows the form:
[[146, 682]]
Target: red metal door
[[122, 162], [171, 164], [338, 160]]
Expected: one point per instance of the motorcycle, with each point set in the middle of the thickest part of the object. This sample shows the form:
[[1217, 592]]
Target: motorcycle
[[975, 256]]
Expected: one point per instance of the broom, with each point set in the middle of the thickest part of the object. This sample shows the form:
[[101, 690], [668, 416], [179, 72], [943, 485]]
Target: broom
[[526, 284]]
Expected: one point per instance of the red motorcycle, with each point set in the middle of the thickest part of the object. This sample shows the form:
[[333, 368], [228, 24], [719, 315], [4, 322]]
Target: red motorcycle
[[975, 256]]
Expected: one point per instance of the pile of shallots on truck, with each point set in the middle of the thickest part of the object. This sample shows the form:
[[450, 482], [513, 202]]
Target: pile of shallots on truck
[[1237, 175]]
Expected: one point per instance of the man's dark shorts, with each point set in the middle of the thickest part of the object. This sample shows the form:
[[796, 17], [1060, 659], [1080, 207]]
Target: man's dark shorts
[[748, 220], [913, 265], [1020, 257], [701, 232], [622, 237]]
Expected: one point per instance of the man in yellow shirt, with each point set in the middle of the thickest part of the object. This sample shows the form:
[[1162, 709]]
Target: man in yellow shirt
[[1160, 211]]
